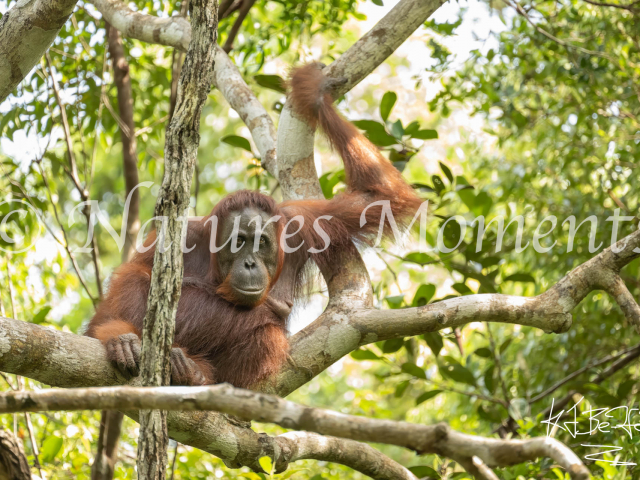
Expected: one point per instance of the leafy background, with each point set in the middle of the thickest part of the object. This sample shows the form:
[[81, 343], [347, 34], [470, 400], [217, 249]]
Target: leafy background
[[490, 109]]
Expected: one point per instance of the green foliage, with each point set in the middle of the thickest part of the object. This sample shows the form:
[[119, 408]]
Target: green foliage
[[560, 137]]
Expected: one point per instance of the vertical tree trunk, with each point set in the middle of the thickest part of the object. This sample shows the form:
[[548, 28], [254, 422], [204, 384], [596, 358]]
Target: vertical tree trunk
[[107, 449], [181, 150], [13, 461], [122, 80], [111, 422]]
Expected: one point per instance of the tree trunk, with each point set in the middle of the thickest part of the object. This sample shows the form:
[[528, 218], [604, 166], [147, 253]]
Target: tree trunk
[[111, 422], [181, 151], [13, 461], [107, 450]]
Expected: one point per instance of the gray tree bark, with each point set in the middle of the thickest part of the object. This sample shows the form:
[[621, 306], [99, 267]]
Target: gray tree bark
[[26, 32], [181, 151]]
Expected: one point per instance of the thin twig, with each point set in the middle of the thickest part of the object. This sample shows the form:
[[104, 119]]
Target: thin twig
[[552, 37], [244, 10], [484, 471], [65, 244], [630, 7], [605, 374], [73, 174], [573, 375], [173, 462]]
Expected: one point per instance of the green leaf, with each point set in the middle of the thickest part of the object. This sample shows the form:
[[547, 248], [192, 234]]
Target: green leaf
[[41, 315], [451, 234], [624, 388], [459, 476], [392, 345], [505, 345], [397, 130], [427, 396], [425, 135], [483, 352], [420, 258], [388, 99], [422, 471], [290, 473], [401, 388], [272, 82], [364, 354], [520, 277], [489, 379], [376, 132], [395, 301], [434, 340], [461, 288], [413, 369], [424, 293], [378, 2], [266, 463], [446, 171], [438, 184], [50, 449], [490, 414], [329, 180], [423, 187], [236, 141], [482, 204], [458, 373], [412, 128]]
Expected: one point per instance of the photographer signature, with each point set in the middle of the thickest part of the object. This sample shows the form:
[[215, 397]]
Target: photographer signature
[[603, 420]]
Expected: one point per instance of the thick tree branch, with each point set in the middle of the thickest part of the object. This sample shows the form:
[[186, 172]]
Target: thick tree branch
[[234, 89], [26, 32], [172, 31], [249, 405], [66, 360], [359, 456]]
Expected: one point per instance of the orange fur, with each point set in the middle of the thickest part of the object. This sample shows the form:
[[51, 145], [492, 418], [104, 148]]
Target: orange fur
[[243, 345], [114, 328]]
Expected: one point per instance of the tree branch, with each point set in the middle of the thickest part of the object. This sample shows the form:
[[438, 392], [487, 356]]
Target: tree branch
[[234, 89], [172, 31], [26, 32], [578, 372], [248, 405], [235, 28], [122, 79], [359, 456]]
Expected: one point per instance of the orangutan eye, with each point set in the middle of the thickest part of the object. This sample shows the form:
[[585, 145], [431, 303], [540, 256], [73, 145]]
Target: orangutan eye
[[263, 241], [239, 241]]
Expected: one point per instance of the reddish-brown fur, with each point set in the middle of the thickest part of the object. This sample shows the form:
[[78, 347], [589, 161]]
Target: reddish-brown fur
[[243, 345]]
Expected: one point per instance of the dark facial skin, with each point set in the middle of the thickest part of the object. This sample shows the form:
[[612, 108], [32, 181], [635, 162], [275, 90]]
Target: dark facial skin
[[249, 267]]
